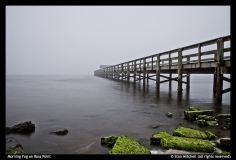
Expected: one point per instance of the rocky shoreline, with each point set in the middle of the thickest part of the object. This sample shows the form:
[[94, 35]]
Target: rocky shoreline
[[183, 139]]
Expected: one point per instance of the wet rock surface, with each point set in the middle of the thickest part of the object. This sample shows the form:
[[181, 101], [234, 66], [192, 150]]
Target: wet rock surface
[[60, 132], [23, 127], [12, 147]]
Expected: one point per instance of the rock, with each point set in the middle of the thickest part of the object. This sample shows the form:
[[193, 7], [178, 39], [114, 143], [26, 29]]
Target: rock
[[226, 142], [156, 137], [125, 145], [189, 132], [25, 127], [201, 122], [183, 143], [224, 115], [224, 153], [210, 135], [211, 123], [193, 108], [17, 149], [169, 114], [206, 117], [12, 147], [192, 115], [60, 131], [109, 140], [154, 126]]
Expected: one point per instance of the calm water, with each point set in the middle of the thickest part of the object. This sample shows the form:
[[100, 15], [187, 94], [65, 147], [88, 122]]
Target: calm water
[[93, 107]]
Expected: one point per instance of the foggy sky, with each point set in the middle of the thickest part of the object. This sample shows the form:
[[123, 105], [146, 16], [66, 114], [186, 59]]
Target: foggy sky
[[76, 40]]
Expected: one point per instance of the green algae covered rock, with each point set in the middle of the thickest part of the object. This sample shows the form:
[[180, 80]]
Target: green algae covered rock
[[224, 153], [125, 145], [224, 115], [156, 137], [193, 115], [188, 144], [193, 108], [201, 122], [16, 149], [109, 140], [206, 117], [211, 123], [210, 135], [27, 126], [190, 133], [169, 114]]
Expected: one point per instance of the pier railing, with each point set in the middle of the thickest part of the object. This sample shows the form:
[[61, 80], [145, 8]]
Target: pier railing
[[174, 61]]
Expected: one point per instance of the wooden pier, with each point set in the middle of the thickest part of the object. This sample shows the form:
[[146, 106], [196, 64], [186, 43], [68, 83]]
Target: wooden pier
[[176, 62]]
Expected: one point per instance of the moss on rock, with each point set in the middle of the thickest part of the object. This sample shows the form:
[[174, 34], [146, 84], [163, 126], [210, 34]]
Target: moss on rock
[[224, 115], [211, 123], [201, 122], [210, 135], [16, 149], [206, 117], [188, 144], [156, 137], [192, 115], [109, 140], [193, 108], [190, 133], [169, 114], [27, 126], [125, 145]]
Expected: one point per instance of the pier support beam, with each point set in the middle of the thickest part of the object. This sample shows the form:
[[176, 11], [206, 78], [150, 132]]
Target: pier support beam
[[180, 70], [219, 75], [134, 71], [158, 71], [170, 61], [144, 70], [188, 81], [128, 74], [122, 71]]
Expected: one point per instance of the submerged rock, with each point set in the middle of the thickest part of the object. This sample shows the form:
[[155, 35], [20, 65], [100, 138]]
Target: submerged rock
[[60, 131], [193, 108], [125, 145], [12, 147], [224, 115], [17, 149], [109, 140], [169, 114], [27, 126], [226, 142]]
